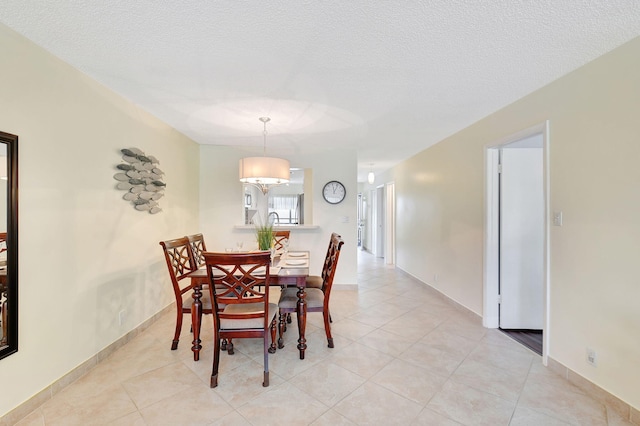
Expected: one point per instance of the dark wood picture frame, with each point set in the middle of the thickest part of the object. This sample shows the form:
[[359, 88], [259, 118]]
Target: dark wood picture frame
[[10, 313]]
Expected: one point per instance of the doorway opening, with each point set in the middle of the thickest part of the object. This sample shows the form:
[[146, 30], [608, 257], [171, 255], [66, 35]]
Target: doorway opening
[[516, 238]]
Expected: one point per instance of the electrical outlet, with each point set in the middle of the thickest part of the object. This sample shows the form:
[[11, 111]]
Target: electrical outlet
[[435, 278], [592, 357], [122, 315]]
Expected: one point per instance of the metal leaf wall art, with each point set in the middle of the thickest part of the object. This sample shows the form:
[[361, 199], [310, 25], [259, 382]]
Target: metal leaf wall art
[[140, 176]]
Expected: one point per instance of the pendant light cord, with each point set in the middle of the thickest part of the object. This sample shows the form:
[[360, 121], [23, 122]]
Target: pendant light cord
[[264, 133]]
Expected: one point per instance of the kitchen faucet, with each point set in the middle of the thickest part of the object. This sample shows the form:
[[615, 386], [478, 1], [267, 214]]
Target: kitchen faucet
[[276, 215]]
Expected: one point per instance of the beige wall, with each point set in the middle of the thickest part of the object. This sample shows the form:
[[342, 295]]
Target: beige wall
[[85, 253], [594, 180]]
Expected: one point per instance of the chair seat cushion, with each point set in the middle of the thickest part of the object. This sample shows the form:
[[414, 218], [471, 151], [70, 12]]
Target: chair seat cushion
[[314, 281], [289, 298], [187, 301], [249, 323]]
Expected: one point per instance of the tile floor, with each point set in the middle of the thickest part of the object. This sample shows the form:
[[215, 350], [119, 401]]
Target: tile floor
[[403, 356]]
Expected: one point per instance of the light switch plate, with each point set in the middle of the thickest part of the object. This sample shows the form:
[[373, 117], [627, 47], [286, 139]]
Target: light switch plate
[[557, 218]]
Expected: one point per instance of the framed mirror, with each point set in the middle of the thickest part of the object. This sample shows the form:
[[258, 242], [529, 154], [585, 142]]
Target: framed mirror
[[8, 244]]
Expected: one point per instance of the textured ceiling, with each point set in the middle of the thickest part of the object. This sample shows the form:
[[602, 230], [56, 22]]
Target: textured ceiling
[[388, 78]]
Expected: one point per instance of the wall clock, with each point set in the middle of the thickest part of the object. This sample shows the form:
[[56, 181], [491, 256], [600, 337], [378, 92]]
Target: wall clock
[[334, 192]]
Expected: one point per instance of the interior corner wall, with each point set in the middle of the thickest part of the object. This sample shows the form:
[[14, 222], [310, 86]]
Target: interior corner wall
[[85, 254], [222, 205], [594, 181]]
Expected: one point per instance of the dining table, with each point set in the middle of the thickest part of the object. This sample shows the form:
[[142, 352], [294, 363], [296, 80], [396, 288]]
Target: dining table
[[288, 270]]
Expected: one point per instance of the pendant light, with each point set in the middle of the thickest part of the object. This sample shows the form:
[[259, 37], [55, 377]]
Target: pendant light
[[371, 177], [264, 172]]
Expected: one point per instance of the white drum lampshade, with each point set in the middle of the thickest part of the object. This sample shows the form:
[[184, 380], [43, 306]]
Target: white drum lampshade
[[264, 170]]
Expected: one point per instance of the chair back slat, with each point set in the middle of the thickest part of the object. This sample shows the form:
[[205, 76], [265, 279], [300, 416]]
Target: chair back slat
[[330, 263], [280, 239], [177, 254], [197, 245]]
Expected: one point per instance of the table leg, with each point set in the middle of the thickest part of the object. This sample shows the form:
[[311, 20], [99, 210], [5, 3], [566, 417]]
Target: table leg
[[302, 320], [196, 318]]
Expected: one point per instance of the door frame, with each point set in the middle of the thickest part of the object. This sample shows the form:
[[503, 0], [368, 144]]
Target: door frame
[[371, 225], [380, 213], [490, 317], [390, 224]]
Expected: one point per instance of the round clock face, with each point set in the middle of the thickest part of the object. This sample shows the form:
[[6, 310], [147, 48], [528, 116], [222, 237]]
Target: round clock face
[[334, 192]]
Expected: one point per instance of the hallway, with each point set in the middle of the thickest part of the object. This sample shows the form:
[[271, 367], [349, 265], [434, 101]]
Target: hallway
[[403, 355]]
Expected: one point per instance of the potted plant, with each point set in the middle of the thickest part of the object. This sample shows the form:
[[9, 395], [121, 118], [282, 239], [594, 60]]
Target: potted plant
[[264, 235]]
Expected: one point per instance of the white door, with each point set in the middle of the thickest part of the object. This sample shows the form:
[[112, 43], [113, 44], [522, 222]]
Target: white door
[[521, 239]]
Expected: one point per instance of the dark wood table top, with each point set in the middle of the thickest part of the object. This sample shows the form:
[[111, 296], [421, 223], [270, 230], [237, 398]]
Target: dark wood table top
[[282, 273]]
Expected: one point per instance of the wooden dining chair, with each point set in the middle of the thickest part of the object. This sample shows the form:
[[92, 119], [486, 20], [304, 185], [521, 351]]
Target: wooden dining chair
[[241, 281], [197, 248], [317, 298], [177, 253], [280, 240], [316, 281], [3, 242]]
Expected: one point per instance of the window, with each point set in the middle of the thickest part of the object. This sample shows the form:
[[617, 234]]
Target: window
[[285, 208]]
